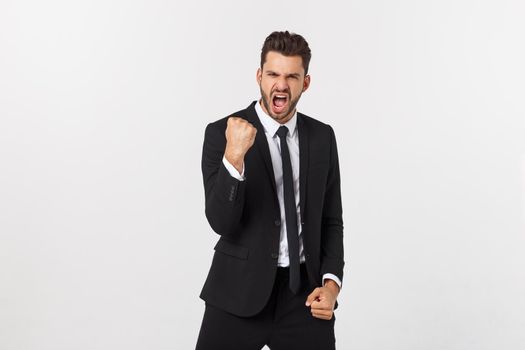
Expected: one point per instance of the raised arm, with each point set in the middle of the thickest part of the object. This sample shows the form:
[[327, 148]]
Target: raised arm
[[225, 193]]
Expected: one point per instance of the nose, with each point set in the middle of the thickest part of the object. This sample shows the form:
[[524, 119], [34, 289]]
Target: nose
[[281, 84]]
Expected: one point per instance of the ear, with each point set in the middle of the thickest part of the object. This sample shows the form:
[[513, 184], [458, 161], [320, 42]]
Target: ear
[[258, 76], [306, 83]]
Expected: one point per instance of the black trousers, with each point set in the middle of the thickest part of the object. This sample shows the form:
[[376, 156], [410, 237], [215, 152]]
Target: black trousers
[[285, 323]]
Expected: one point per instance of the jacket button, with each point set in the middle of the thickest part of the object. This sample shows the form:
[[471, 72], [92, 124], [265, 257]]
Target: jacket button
[[277, 222], [275, 255]]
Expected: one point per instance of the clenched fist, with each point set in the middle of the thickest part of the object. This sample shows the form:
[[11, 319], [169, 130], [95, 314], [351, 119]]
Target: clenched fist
[[240, 136], [322, 300]]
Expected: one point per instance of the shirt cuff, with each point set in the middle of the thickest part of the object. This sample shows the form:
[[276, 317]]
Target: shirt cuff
[[233, 172], [329, 276]]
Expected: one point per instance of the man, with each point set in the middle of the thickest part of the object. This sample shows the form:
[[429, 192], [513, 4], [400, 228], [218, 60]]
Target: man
[[271, 179]]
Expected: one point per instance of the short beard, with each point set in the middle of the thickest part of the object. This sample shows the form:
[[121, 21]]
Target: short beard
[[268, 108]]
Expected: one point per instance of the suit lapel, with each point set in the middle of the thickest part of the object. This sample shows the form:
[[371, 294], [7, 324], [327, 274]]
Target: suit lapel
[[262, 143], [303, 162], [264, 151]]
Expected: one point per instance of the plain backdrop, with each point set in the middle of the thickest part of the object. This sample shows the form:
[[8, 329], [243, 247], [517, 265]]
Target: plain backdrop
[[103, 104]]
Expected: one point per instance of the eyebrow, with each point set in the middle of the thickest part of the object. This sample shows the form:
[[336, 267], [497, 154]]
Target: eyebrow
[[294, 75]]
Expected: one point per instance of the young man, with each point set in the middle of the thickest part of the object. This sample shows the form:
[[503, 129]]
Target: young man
[[271, 179]]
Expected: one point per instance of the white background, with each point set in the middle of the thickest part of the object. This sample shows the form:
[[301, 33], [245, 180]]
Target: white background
[[103, 105]]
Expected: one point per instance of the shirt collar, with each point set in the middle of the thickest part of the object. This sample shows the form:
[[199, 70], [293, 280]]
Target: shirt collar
[[271, 126]]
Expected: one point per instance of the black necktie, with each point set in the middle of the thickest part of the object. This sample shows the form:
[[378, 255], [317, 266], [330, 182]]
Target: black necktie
[[290, 210]]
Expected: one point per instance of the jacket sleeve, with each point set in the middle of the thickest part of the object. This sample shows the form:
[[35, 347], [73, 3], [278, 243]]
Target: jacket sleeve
[[332, 252], [224, 194]]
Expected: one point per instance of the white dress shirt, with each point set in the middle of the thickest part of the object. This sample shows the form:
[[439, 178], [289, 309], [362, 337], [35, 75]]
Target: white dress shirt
[[270, 128]]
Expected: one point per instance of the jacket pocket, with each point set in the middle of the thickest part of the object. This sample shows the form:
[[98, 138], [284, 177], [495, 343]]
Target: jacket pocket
[[231, 249]]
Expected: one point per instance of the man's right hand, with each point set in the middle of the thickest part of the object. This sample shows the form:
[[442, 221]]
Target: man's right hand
[[240, 136]]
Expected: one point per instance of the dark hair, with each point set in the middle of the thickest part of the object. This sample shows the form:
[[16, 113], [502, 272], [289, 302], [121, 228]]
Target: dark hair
[[287, 44]]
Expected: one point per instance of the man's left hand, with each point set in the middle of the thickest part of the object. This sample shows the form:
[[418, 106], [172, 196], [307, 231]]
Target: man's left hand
[[322, 300]]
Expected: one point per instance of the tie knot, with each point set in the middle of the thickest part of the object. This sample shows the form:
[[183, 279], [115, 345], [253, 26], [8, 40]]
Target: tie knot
[[282, 132]]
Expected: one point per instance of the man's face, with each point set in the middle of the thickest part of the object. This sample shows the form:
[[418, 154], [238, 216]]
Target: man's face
[[282, 81]]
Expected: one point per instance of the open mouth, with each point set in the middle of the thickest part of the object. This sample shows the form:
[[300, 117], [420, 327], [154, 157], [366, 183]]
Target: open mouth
[[279, 102]]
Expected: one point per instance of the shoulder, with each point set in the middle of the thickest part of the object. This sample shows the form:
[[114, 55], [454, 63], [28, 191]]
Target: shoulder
[[314, 125]]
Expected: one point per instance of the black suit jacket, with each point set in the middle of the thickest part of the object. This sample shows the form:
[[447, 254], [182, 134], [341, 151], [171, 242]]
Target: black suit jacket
[[246, 214]]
